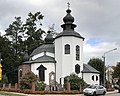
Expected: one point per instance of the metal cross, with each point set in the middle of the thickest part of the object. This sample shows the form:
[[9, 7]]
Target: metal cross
[[68, 5]]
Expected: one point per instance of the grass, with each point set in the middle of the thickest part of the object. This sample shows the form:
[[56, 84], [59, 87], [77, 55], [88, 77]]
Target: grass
[[10, 94]]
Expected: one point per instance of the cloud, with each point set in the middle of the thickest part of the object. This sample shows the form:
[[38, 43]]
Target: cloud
[[97, 51], [97, 20]]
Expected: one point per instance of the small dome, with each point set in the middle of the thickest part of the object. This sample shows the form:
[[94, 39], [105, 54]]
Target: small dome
[[68, 19], [26, 56], [49, 38]]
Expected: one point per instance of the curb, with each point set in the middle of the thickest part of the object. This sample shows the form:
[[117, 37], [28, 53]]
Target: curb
[[111, 92]]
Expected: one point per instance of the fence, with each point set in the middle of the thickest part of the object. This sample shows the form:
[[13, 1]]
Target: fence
[[9, 86]]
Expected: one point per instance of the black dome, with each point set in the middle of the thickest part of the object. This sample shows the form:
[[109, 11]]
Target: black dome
[[49, 38], [68, 19]]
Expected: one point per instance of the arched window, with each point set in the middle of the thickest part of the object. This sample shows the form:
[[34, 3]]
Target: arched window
[[67, 49], [20, 71], [96, 78], [77, 52], [93, 77], [77, 68]]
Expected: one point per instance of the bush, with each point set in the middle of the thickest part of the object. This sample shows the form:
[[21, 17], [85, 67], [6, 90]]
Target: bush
[[74, 81], [27, 79], [4, 79], [40, 85]]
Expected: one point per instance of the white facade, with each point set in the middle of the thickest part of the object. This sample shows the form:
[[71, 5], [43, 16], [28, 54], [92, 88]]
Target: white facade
[[65, 64], [50, 68], [91, 78]]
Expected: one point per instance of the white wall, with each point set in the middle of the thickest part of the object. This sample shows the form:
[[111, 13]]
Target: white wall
[[87, 77], [50, 67], [66, 62], [42, 54]]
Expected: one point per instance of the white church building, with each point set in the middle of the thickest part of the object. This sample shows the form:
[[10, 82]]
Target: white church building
[[59, 57]]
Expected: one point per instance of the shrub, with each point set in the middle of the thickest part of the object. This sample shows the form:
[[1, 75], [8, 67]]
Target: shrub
[[4, 79], [74, 81], [27, 79], [40, 85]]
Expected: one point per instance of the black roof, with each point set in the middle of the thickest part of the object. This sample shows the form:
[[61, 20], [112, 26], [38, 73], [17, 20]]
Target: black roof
[[42, 59], [88, 69], [69, 33], [44, 48]]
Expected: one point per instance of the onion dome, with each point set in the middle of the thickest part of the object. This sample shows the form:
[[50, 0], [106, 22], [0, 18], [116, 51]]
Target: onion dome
[[49, 38], [26, 56], [68, 26], [68, 19]]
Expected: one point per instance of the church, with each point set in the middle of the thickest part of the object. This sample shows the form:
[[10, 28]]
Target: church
[[59, 57]]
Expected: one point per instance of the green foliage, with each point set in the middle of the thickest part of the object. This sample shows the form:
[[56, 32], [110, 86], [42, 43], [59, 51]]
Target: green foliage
[[4, 79], [74, 80], [98, 64], [40, 85], [13, 43], [27, 79], [116, 73], [33, 31], [15, 33]]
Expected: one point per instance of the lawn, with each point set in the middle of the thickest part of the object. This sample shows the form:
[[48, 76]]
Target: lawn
[[10, 94]]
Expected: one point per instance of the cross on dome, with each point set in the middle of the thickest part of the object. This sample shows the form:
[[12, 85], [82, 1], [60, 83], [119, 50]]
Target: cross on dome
[[68, 5]]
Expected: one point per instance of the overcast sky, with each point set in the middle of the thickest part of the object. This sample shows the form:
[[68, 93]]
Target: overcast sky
[[97, 20]]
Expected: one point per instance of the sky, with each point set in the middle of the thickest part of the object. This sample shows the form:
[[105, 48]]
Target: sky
[[98, 21]]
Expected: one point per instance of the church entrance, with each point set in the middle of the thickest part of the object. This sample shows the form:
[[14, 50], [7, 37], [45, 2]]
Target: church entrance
[[42, 69]]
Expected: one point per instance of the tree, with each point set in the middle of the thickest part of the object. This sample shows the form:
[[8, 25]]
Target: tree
[[15, 33], [13, 44], [8, 59], [98, 64], [33, 31], [74, 80], [116, 73]]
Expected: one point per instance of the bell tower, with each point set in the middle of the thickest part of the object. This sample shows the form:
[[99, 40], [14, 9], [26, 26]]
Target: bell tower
[[68, 49]]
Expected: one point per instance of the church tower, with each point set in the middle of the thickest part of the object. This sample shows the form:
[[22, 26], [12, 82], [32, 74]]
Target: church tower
[[68, 49]]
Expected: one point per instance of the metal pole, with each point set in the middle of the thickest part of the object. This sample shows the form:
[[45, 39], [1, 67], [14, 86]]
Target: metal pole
[[104, 70]]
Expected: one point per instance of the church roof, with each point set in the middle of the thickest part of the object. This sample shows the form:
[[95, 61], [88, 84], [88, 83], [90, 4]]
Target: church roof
[[44, 48], [68, 26], [69, 33], [48, 46], [42, 59], [88, 69]]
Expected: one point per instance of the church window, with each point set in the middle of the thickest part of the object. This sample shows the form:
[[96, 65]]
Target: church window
[[77, 68], [20, 73], [67, 49], [93, 77], [96, 78], [77, 52], [41, 69]]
